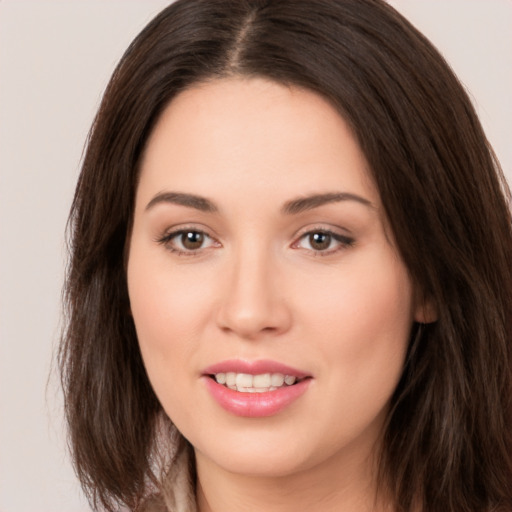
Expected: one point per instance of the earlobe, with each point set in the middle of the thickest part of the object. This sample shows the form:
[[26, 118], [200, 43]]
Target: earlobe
[[426, 311]]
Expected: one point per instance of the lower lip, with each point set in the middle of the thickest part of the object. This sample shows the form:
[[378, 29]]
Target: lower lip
[[255, 405]]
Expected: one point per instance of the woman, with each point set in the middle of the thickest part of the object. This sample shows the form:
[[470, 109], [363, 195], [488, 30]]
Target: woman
[[290, 284]]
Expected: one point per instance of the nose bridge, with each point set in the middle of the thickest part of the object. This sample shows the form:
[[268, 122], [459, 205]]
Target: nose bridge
[[253, 301]]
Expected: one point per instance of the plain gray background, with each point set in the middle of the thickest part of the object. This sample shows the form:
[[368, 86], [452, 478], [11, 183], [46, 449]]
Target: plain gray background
[[55, 60]]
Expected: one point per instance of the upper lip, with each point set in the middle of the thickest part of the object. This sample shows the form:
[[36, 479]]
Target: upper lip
[[257, 367]]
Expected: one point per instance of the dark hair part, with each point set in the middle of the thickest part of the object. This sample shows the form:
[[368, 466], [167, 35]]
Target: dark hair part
[[447, 444]]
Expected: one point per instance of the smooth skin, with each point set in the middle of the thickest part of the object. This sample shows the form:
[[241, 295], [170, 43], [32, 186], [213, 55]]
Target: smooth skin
[[225, 263]]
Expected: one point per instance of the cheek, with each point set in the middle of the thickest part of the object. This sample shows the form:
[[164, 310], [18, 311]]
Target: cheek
[[164, 311], [378, 312], [362, 323], [168, 312]]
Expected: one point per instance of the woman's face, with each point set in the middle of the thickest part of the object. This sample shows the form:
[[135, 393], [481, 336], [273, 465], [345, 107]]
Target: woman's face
[[259, 248]]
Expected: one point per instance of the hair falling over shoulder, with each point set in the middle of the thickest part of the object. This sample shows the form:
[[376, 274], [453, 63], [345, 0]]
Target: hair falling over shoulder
[[448, 438]]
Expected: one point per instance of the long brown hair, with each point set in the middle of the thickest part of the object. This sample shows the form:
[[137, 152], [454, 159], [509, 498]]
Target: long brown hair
[[448, 438]]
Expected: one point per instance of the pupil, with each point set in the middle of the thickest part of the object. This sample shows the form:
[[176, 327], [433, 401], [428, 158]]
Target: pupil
[[192, 240], [320, 241]]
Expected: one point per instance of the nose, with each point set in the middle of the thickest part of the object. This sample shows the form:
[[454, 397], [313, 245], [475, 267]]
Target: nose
[[253, 303]]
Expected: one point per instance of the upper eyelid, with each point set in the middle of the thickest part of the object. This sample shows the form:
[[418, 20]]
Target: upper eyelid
[[179, 228], [337, 236], [336, 231]]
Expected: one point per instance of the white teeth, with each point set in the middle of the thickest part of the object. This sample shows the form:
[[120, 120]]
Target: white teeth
[[277, 380], [262, 381], [252, 390], [243, 380], [246, 383], [289, 379], [220, 378]]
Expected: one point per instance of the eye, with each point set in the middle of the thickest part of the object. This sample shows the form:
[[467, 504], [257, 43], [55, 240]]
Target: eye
[[323, 241], [187, 241]]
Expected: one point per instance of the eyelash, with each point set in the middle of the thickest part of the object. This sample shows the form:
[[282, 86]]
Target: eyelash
[[343, 242]]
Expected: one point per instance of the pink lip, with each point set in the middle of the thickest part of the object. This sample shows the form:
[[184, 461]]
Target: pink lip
[[254, 405], [253, 368]]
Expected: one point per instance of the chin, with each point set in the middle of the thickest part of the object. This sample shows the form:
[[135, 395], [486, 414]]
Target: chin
[[262, 463]]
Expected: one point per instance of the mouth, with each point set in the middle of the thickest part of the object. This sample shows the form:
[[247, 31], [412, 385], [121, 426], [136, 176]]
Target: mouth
[[255, 389], [260, 383]]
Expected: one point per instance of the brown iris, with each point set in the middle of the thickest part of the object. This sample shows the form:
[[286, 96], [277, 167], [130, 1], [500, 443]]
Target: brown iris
[[192, 240], [320, 241]]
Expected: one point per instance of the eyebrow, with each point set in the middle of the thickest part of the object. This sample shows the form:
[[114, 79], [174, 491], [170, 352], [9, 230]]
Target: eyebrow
[[189, 200], [291, 207], [302, 204]]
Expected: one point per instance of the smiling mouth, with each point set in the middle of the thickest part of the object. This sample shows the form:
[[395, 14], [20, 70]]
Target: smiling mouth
[[261, 383]]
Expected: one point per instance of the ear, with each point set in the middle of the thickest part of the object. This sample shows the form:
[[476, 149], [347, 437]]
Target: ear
[[425, 311]]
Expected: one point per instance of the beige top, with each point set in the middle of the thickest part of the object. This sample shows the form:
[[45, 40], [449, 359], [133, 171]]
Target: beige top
[[178, 494]]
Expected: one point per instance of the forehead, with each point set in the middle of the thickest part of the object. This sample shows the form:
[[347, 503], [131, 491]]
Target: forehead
[[253, 135]]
